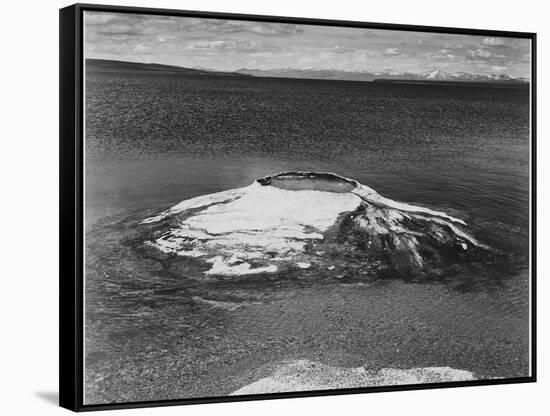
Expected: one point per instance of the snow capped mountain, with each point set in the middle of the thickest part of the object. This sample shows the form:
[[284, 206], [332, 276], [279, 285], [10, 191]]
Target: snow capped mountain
[[387, 74], [439, 75], [311, 72]]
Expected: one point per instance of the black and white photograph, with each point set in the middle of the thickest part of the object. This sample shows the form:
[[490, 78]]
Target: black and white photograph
[[274, 207]]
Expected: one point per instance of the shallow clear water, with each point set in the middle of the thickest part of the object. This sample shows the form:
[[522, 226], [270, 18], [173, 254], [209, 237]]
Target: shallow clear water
[[152, 141]]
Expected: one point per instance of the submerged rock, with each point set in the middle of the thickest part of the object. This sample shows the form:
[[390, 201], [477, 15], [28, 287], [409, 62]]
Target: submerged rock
[[303, 375], [308, 220]]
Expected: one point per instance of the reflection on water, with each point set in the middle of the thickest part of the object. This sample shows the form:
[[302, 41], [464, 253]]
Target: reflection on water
[[152, 142]]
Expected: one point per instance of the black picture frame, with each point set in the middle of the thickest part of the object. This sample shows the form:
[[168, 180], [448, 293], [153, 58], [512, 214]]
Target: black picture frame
[[71, 204]]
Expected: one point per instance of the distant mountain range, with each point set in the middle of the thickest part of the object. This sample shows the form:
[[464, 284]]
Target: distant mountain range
[[435, 75], [106, 65], [102, 65]]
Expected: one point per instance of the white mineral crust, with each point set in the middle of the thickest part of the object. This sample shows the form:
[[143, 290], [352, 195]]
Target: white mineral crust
[[267, 225]]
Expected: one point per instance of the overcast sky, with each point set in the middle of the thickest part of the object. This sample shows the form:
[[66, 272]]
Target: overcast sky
[[230, 45]]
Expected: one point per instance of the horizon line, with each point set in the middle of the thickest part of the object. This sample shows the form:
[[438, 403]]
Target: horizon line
[[387, 71]]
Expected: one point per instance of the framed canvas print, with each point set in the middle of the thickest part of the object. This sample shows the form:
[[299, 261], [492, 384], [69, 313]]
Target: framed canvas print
[[256, 207]]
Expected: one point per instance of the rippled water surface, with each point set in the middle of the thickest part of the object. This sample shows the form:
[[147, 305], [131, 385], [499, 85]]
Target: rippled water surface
[[152, 141]]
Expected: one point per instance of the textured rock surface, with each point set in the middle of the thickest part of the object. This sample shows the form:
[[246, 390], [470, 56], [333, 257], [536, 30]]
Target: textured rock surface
[[303, 375], [309, 220]]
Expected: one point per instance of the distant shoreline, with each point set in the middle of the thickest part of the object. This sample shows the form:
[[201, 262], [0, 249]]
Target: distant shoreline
[[114, 66], [493, 84], [106, 66]]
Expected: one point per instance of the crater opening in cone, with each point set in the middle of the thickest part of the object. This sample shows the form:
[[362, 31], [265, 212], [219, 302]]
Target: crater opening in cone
[[309, 181]]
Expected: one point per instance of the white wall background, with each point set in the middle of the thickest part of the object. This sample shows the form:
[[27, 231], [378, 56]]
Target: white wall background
[[29, 205]]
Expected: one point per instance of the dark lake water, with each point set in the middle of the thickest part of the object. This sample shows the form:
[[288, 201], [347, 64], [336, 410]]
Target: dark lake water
[[463, 147], [154, 140]]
